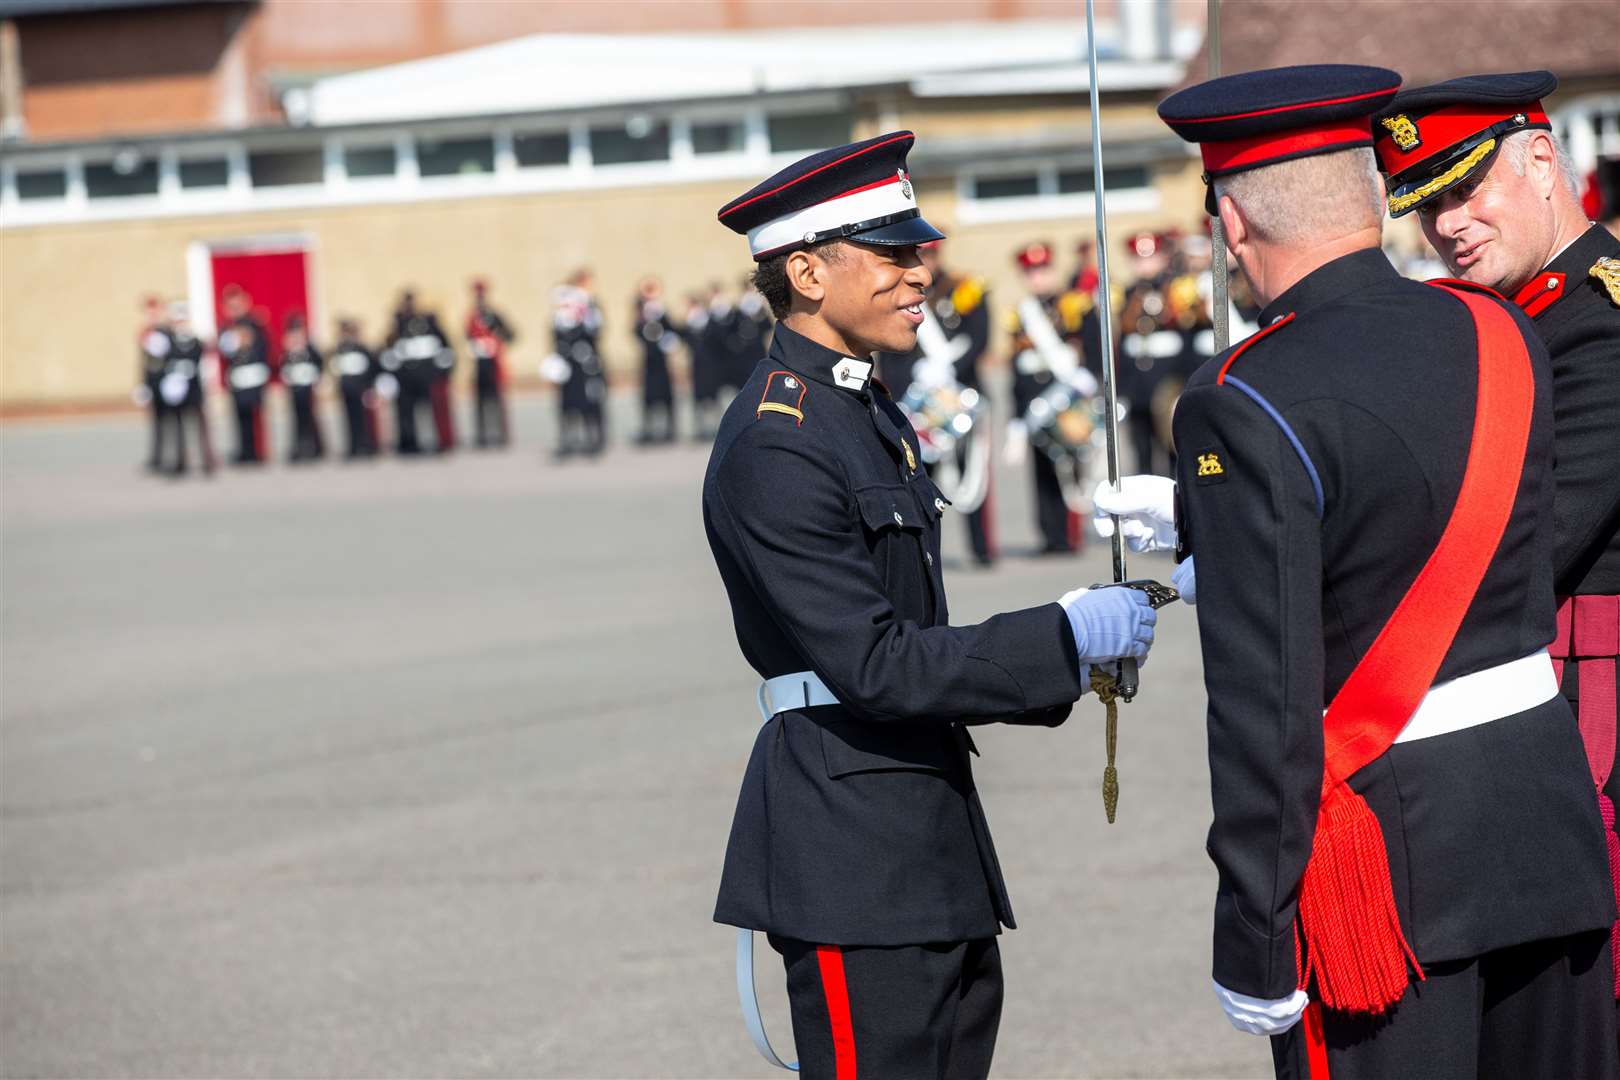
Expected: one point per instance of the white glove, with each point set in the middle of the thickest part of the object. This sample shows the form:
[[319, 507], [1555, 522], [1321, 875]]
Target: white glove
[[554, 369], [1016, 450], [1258, 1016], [1146, 508], [387, 387], [1185, 579]]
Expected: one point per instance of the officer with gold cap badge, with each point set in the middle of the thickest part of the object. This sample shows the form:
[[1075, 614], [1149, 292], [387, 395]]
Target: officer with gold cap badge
[[1419, 872], [859, 844], [1476, 159]]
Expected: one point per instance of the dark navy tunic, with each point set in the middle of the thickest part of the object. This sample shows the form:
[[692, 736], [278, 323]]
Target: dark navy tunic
[[859, 823]]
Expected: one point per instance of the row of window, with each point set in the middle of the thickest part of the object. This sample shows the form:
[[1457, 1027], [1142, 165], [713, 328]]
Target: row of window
[[130, 173]]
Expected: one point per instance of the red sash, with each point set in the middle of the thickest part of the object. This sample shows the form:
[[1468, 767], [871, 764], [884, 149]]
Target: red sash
[[1352, 935]]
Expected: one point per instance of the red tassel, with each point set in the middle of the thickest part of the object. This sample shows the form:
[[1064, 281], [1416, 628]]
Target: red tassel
[[1606, 808], [1353, 940]]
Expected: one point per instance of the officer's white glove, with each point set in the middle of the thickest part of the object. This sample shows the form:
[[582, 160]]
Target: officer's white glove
[[1146, 508], [1259, 1016], [1017, 446], [1185, 579]]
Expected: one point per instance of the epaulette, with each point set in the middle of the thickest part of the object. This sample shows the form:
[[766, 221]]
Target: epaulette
[[1607, 272], [1074, 307], [784, 393], [968, 294]]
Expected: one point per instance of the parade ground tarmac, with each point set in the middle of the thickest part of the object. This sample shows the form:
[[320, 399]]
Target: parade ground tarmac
[[424, 769]]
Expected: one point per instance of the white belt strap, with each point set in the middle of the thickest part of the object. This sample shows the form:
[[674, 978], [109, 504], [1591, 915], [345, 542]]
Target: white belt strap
[[1482, 697], [800, 690], [750, 1001]]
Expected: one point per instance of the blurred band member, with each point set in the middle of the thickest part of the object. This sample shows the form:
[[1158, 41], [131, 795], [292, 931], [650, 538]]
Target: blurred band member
[[488, 335], [655, 329], [182, 390], [301, 367], [705, 369], [154, 344], [576, 324], [412, 357], [356, 370], [753, 331], [244, 350]]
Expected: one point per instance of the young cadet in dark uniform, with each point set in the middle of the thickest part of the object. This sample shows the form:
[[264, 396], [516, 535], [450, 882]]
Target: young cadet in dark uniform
[[182, 389], [659, 336], [244, 350], [301, 367], [1051, 329], [154, 343], [859, 844], [356, 370], [1367, 493], [1476, 159], [959, 307], [488, 335]]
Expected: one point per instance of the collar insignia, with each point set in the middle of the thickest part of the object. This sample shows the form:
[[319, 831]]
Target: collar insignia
[[911, 459], [1607, 271], [1403, 130], [851, 374]]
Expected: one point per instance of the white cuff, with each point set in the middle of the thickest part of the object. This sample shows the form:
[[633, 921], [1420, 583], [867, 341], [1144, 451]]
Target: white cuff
[[1261, 1016]]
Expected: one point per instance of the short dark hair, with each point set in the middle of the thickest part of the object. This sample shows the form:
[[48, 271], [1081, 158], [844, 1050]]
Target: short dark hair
[[770, 277]]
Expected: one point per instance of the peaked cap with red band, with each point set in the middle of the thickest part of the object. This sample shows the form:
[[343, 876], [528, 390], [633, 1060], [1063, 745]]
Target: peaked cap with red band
[[1258, 118], [859, 192], [1432, 138]]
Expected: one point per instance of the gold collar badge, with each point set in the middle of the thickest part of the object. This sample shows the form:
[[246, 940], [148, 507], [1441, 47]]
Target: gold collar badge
[[1607, 271]]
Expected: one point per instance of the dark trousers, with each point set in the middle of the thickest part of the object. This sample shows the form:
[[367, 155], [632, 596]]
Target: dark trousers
[[489, 412], [1541, 1011], [249, 429], [362, 440], [306, 440], [159, 414], [1052, 514], [412, 396], [911, 1012]]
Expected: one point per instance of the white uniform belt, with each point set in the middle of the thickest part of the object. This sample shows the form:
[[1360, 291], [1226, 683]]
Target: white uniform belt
[[1471, 700], [800, 690]]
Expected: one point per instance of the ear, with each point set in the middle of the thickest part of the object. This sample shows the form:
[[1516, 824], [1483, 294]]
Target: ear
[[806, 275], [1237, 230], [1541, 164]]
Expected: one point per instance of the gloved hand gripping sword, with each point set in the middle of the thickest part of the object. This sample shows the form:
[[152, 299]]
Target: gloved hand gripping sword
[[1111, 686]]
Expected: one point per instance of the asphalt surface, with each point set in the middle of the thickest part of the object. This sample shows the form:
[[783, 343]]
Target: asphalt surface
[[424, 768]]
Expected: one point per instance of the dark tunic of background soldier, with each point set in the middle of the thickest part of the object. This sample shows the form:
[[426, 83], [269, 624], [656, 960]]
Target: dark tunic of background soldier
[[961, 307], [244, 352], [753, 334], [154, 344], [1563, 270], [356, 369], [301, 368], [1073, 316], [412, 357], [1165, 334], [488, 335], [576, 325], [181, 390], [706, 368], [658, 336]]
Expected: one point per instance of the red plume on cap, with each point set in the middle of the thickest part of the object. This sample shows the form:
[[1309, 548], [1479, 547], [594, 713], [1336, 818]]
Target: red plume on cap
[[1035, 255]]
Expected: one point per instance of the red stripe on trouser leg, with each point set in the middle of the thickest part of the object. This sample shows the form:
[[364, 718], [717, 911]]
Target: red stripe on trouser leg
[[1316, 1061], [1606, 808], [831, 959]]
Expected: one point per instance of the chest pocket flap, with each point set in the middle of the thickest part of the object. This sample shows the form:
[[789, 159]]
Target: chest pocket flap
[[890, 506]]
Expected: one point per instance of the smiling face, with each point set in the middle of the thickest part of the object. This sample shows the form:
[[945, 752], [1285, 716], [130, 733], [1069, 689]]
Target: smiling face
[[1496, 228], [866, 297]]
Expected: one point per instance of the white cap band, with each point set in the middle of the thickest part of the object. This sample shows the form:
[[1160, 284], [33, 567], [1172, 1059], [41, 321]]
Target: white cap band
[[891, 197]]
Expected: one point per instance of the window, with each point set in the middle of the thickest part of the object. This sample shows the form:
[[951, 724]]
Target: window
[[455, 157], [720, 138], [368, 161], [204, 172], [1006, 187], [283, 168], [638, 140], [121, 178], [1119, 178], [42, 184], [541, 148], [809, 131]]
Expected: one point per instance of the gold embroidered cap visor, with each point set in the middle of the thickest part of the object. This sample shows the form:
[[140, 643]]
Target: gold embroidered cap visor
[[1442, 172]]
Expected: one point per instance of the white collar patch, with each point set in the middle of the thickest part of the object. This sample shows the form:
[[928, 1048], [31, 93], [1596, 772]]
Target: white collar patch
[[851, 374]]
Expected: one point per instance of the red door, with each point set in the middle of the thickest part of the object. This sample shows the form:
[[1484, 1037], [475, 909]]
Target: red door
[[276, 281]]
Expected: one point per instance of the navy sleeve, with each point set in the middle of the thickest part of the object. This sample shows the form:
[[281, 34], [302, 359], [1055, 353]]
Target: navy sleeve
[[785, 508]]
